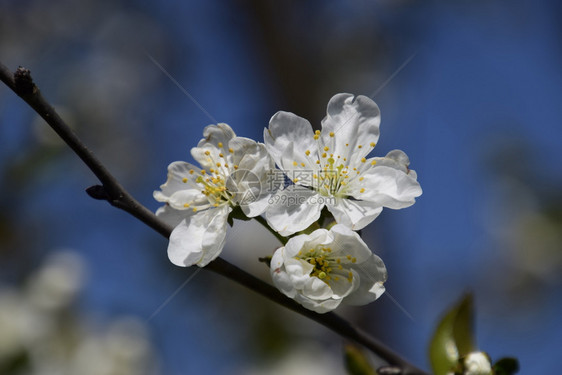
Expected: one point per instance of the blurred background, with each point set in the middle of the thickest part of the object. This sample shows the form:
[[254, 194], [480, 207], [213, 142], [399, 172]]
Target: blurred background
[[470, 90]]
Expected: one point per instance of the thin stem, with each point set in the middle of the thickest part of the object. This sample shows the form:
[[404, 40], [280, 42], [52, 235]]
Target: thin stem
[[263, 222], [22, 84]]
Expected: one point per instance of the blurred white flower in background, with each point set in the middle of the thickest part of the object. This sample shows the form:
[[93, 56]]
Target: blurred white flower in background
[[42, 333], [302, 360], [477, 363]]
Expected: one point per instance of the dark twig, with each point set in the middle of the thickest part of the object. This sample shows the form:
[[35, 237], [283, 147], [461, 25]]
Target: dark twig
[[110, 190]]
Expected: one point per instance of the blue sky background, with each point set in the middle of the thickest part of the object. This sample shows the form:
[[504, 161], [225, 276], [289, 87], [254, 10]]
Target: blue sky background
[[477, 109]]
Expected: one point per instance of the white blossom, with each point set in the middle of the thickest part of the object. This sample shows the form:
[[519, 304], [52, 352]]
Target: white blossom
[[331, 167], [199, 200], [328, 267], [477, 363]]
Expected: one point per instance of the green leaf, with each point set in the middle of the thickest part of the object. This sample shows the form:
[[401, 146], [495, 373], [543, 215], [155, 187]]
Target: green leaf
[[453, 338], [356, 363], [506, 366]]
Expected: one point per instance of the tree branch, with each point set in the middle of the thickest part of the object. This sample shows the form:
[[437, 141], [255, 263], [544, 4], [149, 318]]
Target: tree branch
[[110, 190]]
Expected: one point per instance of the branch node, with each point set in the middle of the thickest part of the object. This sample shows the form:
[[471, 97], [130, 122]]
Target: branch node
[[23, 82], [98, 192]]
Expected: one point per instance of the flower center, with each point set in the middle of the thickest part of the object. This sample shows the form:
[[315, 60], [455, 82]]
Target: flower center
[[214, 188], [335, 172], [212, 183], [327, 267], [333, 177]]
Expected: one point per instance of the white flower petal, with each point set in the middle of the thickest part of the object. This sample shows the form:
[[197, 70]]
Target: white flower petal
[[295, 244], [292, 210], [287, 129], [388, 187], [321, 306], [354, 122], [349, 242], [177, 172], [355, 214], [316, 289], [279, 276], [250, 183], [297, 165], [184, 248], [240, 148], [318, 237], [298, 271], [199, 238], [282, 281], [341, 287], [215, 134], [215, 235], [187, 199], [253, 208], [372, 275], [172, 217]]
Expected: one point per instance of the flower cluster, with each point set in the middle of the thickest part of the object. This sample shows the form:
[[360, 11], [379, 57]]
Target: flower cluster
[[329, 168]]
